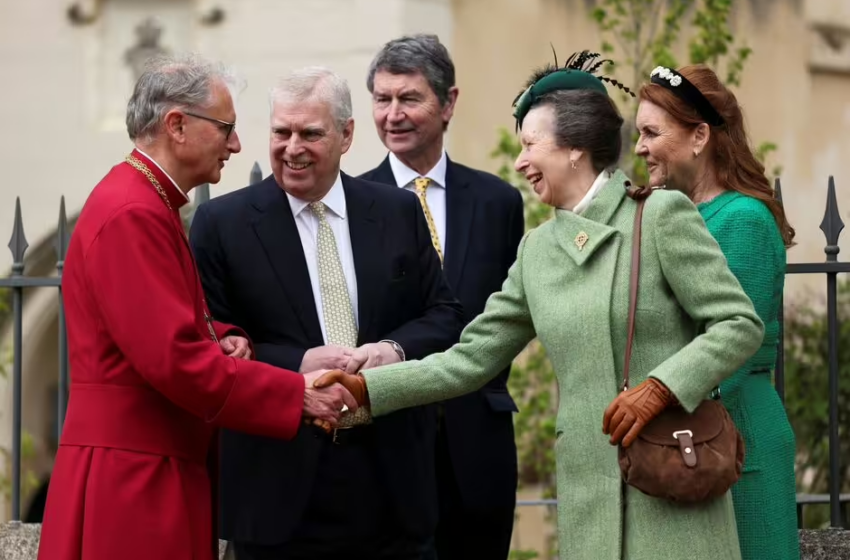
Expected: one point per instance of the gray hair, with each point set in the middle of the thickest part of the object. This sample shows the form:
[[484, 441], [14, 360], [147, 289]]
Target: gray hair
[[169, 82], [421, 53], [586, 120], [316, 83]]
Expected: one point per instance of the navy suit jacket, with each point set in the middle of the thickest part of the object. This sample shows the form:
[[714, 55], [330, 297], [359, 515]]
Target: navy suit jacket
[[254, 273], [484, 226]]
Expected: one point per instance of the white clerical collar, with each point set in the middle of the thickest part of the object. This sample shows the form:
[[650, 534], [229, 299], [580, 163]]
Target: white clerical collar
[[334, 200], [173, 182], [405, 175], [597, 185]]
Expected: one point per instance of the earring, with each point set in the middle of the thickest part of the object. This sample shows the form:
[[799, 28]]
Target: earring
[[573, 164]]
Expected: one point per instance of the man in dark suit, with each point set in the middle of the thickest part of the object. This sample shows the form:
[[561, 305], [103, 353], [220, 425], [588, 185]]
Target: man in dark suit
[[477, 222], [319, 267]]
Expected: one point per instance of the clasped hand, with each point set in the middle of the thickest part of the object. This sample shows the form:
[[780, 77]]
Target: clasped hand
[[344, 365], [355, 384], [325, 402], [349, 360]]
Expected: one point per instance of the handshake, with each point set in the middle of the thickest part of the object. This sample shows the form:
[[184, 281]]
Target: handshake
[[333, 384]]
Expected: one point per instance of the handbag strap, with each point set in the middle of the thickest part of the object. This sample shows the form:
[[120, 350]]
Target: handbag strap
[[640, 194]]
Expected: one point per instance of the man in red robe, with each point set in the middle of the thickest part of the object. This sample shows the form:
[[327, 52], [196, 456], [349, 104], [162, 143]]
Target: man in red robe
[[152, 375]]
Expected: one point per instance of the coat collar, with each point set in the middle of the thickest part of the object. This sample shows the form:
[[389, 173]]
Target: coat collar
[[366, 230], [404, 175], [712, 207], [334, 200], [460, 214], [383, 173], [581, 235], [175, 196]]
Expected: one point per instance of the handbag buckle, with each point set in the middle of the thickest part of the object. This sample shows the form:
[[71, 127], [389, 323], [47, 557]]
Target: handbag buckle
[[686, 446]]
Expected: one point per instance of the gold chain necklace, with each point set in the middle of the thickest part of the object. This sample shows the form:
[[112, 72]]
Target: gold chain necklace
[[139, 165]]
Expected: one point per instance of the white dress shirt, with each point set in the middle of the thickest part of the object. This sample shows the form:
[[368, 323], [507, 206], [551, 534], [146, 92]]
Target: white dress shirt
[[173, 182], [435, 195], [308, 229], [597, 185]]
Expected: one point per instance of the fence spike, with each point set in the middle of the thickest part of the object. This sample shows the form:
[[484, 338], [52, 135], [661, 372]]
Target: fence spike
[[777, 190], [18, 244], [256, 174], [831, 224], [62, 236]]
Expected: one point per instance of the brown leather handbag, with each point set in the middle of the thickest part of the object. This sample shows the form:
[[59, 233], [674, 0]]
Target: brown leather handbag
[[681, 457]]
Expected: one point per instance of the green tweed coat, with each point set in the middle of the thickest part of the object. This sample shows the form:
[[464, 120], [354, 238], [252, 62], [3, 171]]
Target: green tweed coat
[[695, 326]]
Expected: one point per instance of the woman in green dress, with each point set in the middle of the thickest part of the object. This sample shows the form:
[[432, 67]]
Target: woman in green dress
[[693, 139], [569, 287]]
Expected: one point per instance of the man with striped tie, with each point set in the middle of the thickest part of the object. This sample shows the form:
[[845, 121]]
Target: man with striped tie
[[476, 222], [316, 266]]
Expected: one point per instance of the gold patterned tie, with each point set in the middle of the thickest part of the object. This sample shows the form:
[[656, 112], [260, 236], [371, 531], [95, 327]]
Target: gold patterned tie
[[336, 303], [422, 184]]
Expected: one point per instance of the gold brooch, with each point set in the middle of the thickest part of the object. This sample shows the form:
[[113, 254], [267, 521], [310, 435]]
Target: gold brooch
[[581, 239]]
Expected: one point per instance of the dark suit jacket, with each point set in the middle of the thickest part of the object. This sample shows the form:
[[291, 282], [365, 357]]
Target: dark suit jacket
[[484, 225], [255, 276]]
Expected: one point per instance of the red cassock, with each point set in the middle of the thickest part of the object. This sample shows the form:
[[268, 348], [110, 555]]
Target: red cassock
[[149, 385]]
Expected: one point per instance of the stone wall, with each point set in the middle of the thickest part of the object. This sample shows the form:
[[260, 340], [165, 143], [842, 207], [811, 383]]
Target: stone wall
[[20, 542]]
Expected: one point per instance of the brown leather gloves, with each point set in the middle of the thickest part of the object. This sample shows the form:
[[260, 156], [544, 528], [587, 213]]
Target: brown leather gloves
[[354, 383], [633, 409]]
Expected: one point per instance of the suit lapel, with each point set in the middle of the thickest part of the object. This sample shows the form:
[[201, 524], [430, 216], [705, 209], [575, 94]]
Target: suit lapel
[[275, 228], [365, 229], [460, 211]]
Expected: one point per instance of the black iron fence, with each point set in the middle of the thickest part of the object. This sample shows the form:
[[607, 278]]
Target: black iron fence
[[18, 282]]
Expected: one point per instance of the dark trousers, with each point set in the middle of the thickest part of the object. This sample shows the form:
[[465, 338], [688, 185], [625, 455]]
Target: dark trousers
[[348, 515], [466, 532]]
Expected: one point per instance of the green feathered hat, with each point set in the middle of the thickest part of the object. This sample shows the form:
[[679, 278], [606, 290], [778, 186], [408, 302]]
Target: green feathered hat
[[579, 72]]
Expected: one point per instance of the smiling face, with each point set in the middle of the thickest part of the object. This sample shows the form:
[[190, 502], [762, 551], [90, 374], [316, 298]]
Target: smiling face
[[306, 147], [545, 165], [667, 146], [408, 114]]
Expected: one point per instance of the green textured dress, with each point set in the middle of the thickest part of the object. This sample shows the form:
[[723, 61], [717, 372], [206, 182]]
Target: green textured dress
[[764, 498]]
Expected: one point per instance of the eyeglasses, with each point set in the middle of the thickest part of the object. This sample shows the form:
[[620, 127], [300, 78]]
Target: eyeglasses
[[226, 127]]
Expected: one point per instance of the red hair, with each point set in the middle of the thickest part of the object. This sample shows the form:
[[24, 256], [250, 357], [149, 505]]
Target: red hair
[[732, 158]]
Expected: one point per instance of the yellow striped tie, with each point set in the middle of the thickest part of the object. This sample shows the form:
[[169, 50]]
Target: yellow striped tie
[[422, 184]]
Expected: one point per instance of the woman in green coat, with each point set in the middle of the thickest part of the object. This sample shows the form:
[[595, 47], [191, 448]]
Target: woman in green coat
[[692, 136], [569, 287]]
